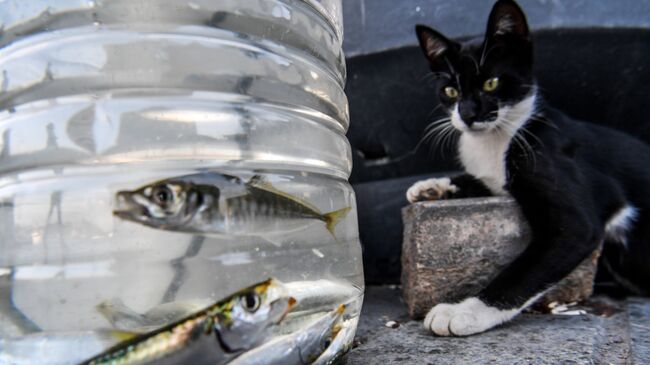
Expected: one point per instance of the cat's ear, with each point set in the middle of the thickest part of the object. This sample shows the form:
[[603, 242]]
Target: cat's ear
[[507, 19], [433, 44]]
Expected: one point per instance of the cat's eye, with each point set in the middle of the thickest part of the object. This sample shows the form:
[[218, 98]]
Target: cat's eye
[[451, 92], [491, 84]]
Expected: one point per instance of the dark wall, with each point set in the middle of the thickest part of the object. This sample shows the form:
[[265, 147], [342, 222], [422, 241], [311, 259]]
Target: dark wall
[[599, 75], [372, 26]]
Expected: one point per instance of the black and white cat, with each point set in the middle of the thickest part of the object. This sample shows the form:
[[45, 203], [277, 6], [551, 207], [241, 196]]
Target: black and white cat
[[578, 184]]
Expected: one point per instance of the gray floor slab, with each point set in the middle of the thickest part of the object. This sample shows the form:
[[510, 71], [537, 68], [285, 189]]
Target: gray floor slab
[[618, 334], [639, 319]]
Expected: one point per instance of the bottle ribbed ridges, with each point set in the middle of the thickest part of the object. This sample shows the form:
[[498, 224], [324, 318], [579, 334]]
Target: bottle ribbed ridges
[[281, 55]]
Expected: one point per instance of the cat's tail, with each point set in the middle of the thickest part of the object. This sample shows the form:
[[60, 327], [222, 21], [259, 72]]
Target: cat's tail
[[333, 218]]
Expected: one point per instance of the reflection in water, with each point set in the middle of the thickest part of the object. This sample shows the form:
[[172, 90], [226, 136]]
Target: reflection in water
[[246, 122], [180, 270], [52, 143], [79, 129], [12, 321], [6, 206], [5, 81], [6, 139], [55, 204], [110, 108]]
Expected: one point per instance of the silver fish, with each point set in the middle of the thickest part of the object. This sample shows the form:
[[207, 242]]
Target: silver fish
[[299, 348], [319, 295], [211, 336], [212, 202], [340, 346]]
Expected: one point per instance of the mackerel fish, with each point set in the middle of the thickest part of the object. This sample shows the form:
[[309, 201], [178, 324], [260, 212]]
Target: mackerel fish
[[302, 347], [211, 202], [212, 336]]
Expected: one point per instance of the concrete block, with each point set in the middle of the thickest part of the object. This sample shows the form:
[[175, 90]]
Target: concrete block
[[454, 248]]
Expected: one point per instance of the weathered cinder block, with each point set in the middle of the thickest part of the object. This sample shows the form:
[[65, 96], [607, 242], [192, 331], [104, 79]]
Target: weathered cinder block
[[454, 248]]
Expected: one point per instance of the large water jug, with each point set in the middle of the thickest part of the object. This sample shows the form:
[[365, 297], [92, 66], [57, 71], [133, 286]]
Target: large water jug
[[110, 110]]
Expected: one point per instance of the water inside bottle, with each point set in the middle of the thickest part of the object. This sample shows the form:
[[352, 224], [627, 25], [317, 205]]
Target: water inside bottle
[[98, 98]]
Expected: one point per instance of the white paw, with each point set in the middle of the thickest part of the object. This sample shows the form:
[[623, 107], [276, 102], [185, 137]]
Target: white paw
[[465, 318], [430, 189]]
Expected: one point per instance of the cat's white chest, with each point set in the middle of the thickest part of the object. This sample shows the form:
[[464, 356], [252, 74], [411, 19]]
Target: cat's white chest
[[484, 157]]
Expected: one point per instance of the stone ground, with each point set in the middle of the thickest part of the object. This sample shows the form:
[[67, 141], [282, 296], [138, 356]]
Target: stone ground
[[612, 332]]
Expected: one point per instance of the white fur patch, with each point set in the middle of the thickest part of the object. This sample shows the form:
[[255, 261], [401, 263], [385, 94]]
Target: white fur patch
[[482, 148], [620, 223], [469, 317], [457, 121], [430, 189]]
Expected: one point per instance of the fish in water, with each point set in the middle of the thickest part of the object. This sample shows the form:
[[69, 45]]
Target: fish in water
[[340, 346], [213, 335], [124, 318], [212, 202], [299, 348]]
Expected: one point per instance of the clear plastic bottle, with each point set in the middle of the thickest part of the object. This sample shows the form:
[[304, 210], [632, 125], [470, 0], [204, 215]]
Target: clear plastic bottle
[[99, 96]]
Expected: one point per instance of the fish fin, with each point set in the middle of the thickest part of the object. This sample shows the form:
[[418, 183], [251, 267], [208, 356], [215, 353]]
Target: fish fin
[[261, 183], [114, 309], [333, 218], [118, 335], [124, 335]]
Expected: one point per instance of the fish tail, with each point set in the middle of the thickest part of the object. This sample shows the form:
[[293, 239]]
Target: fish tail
[[333, 218]]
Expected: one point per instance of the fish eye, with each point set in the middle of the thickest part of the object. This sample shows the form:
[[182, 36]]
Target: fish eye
[[162, 195], [491, 84], [251, 302], [326, 343], [451, 92]]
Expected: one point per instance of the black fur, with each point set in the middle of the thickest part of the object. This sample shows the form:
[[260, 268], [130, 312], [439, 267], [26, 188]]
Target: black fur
[[575, 177]]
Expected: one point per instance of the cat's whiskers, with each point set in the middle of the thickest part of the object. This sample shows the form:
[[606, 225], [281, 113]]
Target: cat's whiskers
[[512, 125], [428, 135], [524, 146], [543, 121], [433, 111], [444, 138], [437, 122], [442, 133], [504, 125], [434, 130], [450, 133], [531, 134], [517, 136], [430, 131]]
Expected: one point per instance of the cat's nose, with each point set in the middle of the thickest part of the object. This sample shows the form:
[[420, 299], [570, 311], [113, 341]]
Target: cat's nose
[[468, 111]]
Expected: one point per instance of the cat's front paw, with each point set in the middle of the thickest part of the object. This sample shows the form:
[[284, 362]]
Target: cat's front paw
[[431, 189], [465, 318]]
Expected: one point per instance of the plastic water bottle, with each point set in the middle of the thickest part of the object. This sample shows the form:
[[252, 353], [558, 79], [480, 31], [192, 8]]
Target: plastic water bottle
[[102, 96]]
